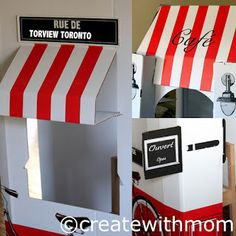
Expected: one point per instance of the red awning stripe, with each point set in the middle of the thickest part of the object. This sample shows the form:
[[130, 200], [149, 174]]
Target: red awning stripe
[[189, 56], [169, 57], [207, 74], [17, 91], [156, 36], [232, 53], [50, 81], [81, 79]]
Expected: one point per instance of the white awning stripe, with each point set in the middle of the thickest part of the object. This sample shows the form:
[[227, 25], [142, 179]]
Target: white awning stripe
[[199, 58], [6, 85], [166, 35], [176, 71], [63, 85], [88, 98], [227, 35], [163, 45], [32, 89], [146, 40]]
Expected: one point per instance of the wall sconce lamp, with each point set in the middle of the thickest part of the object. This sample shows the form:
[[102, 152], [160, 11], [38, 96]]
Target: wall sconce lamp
[[227, 101], [135, 87]]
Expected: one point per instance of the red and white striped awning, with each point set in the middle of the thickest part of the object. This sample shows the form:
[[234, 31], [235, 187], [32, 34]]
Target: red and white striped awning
[[187, 40], [56, 82]]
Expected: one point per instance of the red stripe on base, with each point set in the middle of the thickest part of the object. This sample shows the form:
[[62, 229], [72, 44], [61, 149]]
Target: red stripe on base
[[27, 231], [203, 214], [50, 81], [165, 210], [158, 30], [232, 53], [189, 56], [169, 57], [212, 50], [17, 90], [81, 79]]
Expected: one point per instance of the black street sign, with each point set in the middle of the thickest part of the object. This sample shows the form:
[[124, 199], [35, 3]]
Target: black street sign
[[69, 30], [162, 152]]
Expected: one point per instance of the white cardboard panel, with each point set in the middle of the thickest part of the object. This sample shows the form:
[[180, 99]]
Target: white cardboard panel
[[202, 176], [137, 61], [103, 116], [148, 88], [219, 70], [143, 105]]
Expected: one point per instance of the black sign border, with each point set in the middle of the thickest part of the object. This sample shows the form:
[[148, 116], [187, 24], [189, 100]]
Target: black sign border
[[137, 158], [167, 170], [21, 39]]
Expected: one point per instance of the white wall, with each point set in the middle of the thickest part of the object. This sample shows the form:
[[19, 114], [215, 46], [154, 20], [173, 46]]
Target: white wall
[[231, 138], [139, 126], [231, 131]]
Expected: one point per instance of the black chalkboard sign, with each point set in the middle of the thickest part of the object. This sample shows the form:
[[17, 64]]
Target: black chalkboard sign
[[68, 30], [137, 156], [162, 152]]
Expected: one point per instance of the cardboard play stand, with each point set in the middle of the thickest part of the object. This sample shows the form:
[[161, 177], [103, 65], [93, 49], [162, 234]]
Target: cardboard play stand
[[194, 192], [62, 112], [187, 41]]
